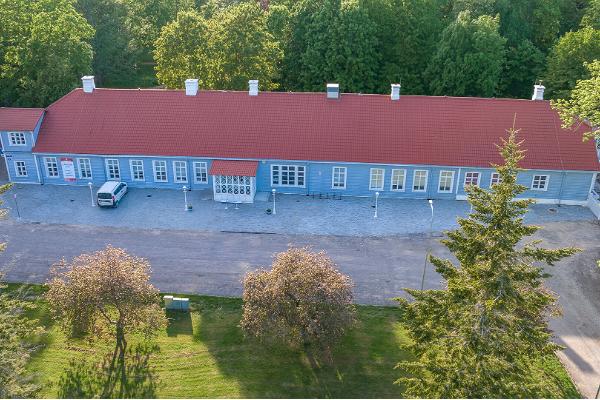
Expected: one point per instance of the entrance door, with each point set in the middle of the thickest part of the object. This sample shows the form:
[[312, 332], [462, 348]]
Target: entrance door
[[234, 189]]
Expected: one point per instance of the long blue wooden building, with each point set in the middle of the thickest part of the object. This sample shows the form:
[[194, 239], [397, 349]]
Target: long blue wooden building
[[240, 143]]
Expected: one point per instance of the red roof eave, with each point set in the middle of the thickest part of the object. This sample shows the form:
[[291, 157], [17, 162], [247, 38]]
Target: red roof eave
[[234, 168]]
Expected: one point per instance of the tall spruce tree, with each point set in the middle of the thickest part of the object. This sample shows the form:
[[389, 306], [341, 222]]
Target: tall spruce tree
[[485, 333]]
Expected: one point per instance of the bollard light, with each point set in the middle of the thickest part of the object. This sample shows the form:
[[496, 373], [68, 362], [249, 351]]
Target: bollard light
[[273, 191], [91, 186], [376, 201]]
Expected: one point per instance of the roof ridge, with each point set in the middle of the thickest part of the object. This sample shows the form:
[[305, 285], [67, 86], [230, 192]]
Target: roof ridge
[[271, 92]]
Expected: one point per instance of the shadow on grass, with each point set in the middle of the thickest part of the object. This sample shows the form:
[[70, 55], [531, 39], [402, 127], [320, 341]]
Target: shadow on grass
[[134, 378], [180, 323], [363, 363]]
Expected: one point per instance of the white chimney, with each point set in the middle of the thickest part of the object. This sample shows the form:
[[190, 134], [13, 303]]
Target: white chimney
[[191, 87], [88, 83], [333, 91], [253, 87], [395, 95], [538, 92]]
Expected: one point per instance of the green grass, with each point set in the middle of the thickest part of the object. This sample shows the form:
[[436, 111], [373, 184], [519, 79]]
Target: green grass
[[204, 354]]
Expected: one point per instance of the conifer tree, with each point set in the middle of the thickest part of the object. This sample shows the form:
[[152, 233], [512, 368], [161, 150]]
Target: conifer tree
[[484, 334]]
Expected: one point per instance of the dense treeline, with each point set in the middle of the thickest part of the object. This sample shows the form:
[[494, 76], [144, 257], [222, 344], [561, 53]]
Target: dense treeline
[[439, 47]]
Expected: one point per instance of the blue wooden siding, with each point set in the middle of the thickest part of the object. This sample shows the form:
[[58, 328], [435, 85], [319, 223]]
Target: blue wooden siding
[[28, 158], [567, 185]]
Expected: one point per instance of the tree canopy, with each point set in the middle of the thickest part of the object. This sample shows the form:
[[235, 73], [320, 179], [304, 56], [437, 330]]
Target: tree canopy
[[481, 336], [502, 46], [303, 300], [224, 52], [107, 292], [567, 58], [469, 58], [44, 50], [583, 104]]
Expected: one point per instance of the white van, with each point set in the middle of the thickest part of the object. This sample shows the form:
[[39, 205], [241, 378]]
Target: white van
[[111, 193]]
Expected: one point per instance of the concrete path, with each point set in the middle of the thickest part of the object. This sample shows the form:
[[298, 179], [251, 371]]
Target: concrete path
[[215, 262]]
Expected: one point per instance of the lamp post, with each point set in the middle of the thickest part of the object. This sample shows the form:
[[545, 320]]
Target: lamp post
[[428, 246], [185, 189], [273, 191], [91, 186], [376, 201]]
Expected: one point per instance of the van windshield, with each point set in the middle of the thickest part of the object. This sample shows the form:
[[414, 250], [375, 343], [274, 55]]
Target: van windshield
[[104, 196]]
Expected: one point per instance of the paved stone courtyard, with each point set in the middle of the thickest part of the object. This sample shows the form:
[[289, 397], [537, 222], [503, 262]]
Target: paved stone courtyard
[[295, 214]]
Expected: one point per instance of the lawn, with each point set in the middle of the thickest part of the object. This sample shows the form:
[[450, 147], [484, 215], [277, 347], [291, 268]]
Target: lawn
[[204, 354]]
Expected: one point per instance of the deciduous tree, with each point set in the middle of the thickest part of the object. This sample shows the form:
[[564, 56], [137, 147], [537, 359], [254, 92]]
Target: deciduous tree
[[483, 335], [583, 104], [45, 51], [303, 300], [469, 58], [106, 292], [223, 52], [567, 58]]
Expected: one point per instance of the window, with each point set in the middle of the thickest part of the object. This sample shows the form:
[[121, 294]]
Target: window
[[338, 178], [287, 175], [21, 169], [398, 179], [160, 170], [540, 182], [51, 167], [112, 169], [85, 168], [137, 170], [17, 139], [446, 182], [472, 178], [200, 172], [180, 171], [376, 182], [495, 179], [420, 181]]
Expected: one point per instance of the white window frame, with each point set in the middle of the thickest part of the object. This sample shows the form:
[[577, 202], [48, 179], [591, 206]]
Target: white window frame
[[17, 138], [54, 161], [451, 186], [202, 167], [495, 179], [185, 170], [298, 170], [162, 163], [394, 173], [107, 164], [333, 173], [371, 174], [18, 169], [546, 182], [88, 167], [426, 180], [470, 175], [136, 163]]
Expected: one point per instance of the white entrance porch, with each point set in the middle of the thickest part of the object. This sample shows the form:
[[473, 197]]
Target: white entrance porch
[[234, 181]]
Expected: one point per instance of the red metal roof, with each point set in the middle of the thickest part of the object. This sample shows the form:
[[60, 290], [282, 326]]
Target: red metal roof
[[19, 119], [233, 168], [446, 131]]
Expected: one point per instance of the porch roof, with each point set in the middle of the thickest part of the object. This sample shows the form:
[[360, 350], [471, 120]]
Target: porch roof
[[234, 168]]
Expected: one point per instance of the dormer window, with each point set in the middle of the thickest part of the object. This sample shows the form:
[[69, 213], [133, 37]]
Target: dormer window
[[17, 139]]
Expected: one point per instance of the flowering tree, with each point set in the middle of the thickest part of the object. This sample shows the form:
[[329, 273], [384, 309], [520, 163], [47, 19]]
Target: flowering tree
[[303, 300], [108, 291]]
